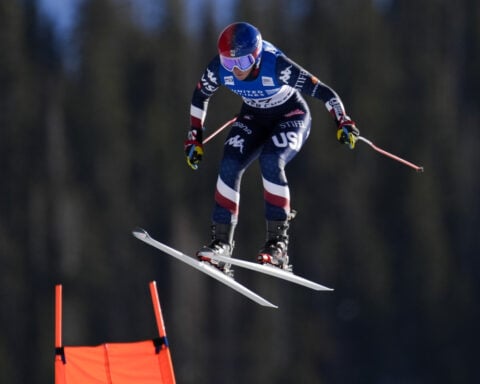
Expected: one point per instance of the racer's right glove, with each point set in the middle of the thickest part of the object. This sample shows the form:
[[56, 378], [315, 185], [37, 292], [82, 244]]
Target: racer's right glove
[[193, 147]]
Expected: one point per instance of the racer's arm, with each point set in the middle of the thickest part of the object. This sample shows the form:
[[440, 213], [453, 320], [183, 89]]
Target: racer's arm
[[297, 77], [206, 87]]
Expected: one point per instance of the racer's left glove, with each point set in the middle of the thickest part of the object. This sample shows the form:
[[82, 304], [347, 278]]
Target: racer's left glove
[[347, 133], [193, 147]]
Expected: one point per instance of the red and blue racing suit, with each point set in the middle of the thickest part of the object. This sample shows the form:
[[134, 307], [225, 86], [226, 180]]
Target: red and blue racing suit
[[272, 126]]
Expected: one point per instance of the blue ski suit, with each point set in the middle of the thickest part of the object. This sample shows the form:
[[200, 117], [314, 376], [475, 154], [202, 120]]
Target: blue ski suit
[[272, 126]]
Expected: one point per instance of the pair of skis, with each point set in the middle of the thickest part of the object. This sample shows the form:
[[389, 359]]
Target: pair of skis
[[215, 273]]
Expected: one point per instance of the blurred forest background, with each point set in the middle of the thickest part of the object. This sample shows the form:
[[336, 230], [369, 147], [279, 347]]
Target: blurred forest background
[[91, 145]]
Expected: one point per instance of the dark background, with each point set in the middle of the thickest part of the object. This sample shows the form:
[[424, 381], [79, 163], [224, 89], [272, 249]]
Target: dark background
[[91, 145]]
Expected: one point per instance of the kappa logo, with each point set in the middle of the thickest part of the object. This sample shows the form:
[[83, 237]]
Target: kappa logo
[[192, 134], [211, 76], [285, 74], [236, 142], [210, 82]]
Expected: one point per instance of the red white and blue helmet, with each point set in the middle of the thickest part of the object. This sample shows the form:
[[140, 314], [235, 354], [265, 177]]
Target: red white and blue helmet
[[239, 45]]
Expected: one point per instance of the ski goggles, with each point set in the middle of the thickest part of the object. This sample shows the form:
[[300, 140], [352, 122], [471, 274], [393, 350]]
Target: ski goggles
[[243, 62]]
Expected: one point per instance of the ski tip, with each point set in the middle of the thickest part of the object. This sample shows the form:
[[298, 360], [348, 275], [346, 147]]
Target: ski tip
[[140, 233]]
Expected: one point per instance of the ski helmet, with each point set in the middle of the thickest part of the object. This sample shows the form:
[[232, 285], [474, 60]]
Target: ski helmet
[[239, 45]]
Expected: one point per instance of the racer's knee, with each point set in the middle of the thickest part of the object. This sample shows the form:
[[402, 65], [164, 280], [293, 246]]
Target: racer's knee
[[273, 168]]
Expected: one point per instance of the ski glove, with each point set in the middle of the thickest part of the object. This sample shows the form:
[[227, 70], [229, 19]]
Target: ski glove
[[348, 133], [193, 147]]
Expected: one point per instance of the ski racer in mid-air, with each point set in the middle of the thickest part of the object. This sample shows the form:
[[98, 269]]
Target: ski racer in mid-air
[[272, 126]]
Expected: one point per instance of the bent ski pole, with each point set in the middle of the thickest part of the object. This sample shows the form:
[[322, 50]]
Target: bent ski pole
[[231, 121], [392, 156]]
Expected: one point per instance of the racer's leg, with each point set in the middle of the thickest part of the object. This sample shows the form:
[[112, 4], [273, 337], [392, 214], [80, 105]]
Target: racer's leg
[[241, 147], [286, 141]]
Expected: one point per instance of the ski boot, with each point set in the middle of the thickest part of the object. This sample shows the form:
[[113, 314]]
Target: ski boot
[[275, 250], [222, 245]]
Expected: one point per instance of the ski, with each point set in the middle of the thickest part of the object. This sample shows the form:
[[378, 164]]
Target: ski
[[273, 271], [204, 267]]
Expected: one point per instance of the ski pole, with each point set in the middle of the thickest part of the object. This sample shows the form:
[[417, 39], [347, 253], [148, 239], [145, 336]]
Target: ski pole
[[392, 156], [231, 121]]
